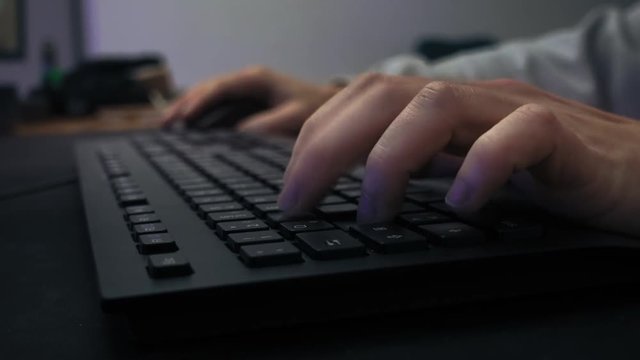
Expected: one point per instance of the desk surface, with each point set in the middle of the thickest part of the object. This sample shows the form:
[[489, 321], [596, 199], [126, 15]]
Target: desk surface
[[108, 119], [49, 305]]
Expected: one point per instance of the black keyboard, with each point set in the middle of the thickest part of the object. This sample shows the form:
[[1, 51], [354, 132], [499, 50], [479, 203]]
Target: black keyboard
[[186, 234]]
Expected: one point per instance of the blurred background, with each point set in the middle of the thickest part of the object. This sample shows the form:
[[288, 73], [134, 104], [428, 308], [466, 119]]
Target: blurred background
[[54, 59]]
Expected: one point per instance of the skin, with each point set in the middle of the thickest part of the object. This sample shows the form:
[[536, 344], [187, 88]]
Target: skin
[[569, 158]]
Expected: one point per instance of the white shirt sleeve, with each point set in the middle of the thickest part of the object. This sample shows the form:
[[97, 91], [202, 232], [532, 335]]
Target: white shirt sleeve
[[596, 62]]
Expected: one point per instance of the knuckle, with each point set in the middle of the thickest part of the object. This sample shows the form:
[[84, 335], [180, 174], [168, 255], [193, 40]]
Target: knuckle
[[438, 94], [539, 113], [256, 71]]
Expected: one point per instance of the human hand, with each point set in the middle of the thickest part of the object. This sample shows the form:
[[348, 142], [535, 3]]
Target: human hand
[[569, 158], [290, 101]]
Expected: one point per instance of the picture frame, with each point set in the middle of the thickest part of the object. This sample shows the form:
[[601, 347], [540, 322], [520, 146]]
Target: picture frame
[[12, 29]]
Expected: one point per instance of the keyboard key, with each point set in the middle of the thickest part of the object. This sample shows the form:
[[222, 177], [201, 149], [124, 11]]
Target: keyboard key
[[141, 209], [408, 207], [134, 199], [200, 200], [204, 186], [224, 228], [443, 207], [332, 244], [168, 265], [206, 192], [254, 192], [518, 229], [226, 206], [261, 199], [332, 199], [267, 208], [425, 197], [293, 227], [245, 186], [143, 218], [351, 194], [149, 228], [423, 218], [279, 253], [276, 217], [453, 234], [216, 217], [338, 211], [390, 238], [156, 244], [251, 238], [347, 186]]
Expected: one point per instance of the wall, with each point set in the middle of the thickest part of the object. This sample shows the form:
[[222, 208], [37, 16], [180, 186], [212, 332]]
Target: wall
[[313, 39], [47, 20]]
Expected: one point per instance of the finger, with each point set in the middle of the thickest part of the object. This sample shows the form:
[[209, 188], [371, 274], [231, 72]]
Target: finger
[[326, 114], [253, 82], [284, 119], [527, 137], [443, 116], [336, 146]]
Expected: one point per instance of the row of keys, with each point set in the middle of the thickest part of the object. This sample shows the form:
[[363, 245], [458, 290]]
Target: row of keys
[[149, 233]]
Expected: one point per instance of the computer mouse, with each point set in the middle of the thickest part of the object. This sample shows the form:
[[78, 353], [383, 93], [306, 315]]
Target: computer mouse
[[226, 114]]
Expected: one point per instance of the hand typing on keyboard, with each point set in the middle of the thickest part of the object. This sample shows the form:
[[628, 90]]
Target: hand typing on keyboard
[[290, 101], [572, 159]]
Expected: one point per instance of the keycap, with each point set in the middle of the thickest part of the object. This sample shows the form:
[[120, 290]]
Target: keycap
[[204, 186], [156, 244], [408, 207], [453, 234], [200, 200], [518, 229], [267, 208], [276, 217], [332, 199], [442, 206], [390, 238], [140, 209], [213, 218], [244, 186], [352, 194], [149, 228], [226, 206], [261, 199], [251, 238], [423, 218], [254, 192], [168, 265], [332, 244], [224, 228], [425, 197], [347, 186], [338, 211], [293, 227], [206, 192], [128, 191], [269, 254], [135, 199], [143, 218]]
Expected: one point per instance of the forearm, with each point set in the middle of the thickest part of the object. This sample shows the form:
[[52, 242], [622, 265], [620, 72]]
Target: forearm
[[596, 62]]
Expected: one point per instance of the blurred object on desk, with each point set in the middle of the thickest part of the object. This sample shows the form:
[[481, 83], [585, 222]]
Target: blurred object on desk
[[8, 108], [107, 119]]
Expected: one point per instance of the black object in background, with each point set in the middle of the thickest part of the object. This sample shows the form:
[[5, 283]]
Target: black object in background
[[8, 108], [102, 82], [435, 49]]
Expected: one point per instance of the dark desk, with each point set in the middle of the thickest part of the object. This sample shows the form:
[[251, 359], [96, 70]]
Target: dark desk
[[49, 304]]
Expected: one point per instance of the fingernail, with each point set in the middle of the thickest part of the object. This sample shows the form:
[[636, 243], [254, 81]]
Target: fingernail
[[459, 194]]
